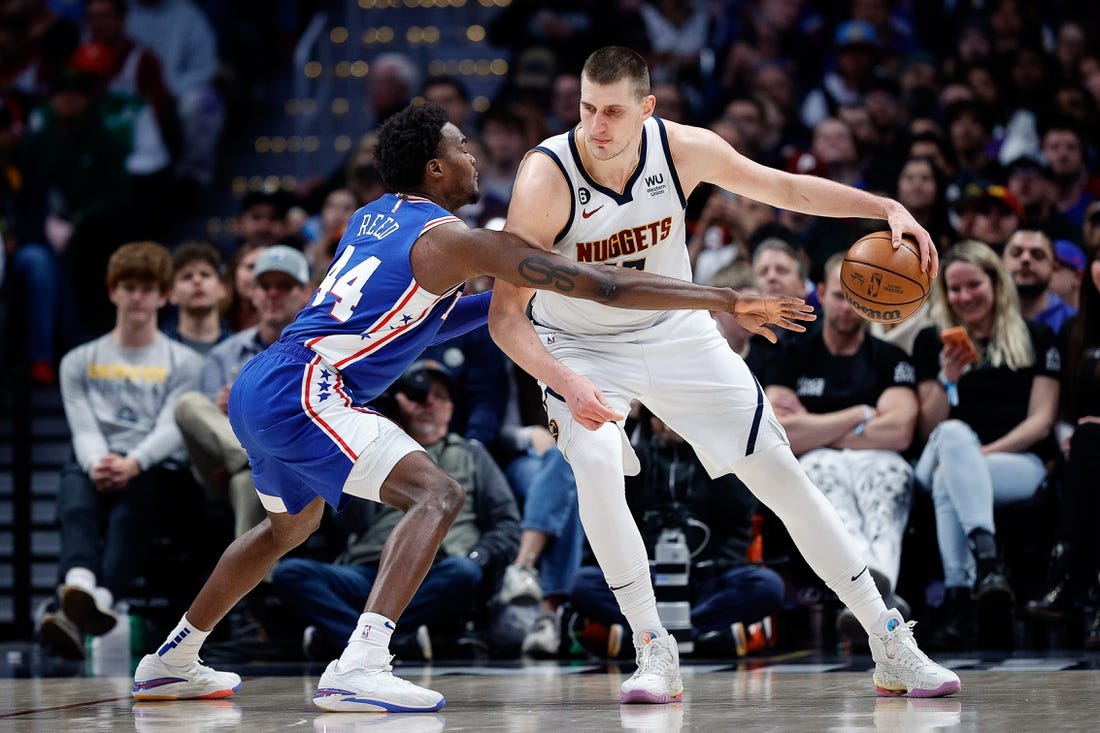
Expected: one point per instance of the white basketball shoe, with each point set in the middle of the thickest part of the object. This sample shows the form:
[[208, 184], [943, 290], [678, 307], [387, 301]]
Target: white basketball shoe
[[657, 679], [901, 668], [373, 689], [155, 680]]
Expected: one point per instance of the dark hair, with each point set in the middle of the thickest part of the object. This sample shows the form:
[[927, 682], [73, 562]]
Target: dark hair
[[406, 142], [232, 304], [279, 200], [1084, 336], [980, 112], [939, 221], [446, 81], [504, 115], [750, 99], [945, 150], [121, 7], [612, 64], [197, 251], [1061, 123]]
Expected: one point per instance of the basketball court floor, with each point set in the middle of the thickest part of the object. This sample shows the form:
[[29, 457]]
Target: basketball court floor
[[791, 692]]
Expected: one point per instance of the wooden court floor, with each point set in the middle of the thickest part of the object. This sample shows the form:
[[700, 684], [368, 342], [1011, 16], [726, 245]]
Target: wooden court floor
[[789, 693]]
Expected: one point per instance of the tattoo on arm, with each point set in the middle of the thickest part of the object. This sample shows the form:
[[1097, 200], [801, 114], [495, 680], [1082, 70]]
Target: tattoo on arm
[[540, 271]]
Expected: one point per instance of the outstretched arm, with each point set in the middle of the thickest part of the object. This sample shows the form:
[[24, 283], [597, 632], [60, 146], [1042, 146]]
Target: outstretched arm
[[701, 155]]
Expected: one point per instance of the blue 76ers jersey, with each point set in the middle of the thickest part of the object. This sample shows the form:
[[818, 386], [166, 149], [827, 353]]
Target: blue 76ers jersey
[[369, 318]]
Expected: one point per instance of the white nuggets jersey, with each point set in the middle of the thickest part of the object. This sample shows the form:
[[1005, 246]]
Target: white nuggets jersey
[[641, 227]]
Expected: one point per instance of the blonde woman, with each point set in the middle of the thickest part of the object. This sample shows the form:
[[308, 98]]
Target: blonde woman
[[988, 424]]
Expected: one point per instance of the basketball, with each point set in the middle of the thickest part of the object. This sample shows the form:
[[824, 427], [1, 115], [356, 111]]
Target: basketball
[[883, 284]]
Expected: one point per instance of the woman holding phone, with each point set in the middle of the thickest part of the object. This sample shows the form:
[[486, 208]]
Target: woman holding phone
[[988, 391]]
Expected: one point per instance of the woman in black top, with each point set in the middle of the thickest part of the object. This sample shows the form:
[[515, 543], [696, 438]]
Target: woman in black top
[[988, 424]]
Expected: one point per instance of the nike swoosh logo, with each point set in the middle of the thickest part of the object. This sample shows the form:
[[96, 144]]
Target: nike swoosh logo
[[585, 215], [619, 588], [391, 627], [861, 572]]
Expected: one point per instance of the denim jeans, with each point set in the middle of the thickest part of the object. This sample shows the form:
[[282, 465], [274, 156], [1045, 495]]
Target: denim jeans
[[109, 532], [745, 593], [966, 486], [332, 596], [38, 273], [550, 505]]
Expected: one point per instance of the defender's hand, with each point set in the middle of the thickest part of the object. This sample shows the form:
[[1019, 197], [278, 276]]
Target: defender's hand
[[753, 311]]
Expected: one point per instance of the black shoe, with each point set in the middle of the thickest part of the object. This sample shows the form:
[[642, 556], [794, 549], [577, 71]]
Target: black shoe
[[61, 635], [849, 629], [316, 647], [253, 643], [891, 599], [952, 627], [82, 608], [994, 603], [1054, 605], [716, 644], [1092, 627], [993, 589]]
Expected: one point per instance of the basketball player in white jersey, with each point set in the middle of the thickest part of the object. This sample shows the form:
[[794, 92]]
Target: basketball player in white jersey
[[613, 190]]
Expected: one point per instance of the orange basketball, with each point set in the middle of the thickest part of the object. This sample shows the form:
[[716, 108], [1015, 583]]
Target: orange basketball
[[881, 283]]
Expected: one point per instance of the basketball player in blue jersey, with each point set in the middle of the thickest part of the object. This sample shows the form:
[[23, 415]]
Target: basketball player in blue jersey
[[392, 289], [613, 190]]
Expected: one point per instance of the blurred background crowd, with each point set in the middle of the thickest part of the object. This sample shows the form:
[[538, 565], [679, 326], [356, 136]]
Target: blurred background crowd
[[214, 151]]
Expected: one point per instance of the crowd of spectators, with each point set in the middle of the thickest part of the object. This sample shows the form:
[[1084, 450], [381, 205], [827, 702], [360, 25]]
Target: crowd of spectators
[[980, 117]]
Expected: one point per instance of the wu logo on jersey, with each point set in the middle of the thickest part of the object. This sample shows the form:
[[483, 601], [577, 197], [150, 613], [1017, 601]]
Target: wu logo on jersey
[[655, 184]]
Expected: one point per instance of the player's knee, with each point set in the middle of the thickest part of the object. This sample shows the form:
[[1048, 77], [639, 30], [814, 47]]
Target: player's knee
[[596, 455], [440, 494], [449, 495], [291, 530]]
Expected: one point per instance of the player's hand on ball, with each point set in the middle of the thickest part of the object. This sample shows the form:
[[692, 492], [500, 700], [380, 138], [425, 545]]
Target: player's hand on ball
[[754, 311], [902, 222]]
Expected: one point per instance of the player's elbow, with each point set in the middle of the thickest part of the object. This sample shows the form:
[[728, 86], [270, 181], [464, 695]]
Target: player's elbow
[[606, 286]]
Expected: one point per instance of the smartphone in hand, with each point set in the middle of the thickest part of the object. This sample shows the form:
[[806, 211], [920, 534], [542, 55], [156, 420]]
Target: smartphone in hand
[[957, 337]]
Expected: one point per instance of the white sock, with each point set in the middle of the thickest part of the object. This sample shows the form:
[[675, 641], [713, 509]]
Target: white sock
[[856, 590], [372, 632], [181, 648], [81, 578], [634, 592]]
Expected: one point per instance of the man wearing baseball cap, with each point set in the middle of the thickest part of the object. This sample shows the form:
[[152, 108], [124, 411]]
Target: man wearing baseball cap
[[1069, 268], [218, 461], [1031, 179], [990, 213]]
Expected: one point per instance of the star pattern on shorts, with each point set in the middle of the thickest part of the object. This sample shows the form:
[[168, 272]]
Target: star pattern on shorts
[[325, 386]]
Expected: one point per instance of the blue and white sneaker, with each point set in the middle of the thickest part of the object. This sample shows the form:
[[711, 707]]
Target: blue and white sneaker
[[155, 680], [373, 689]]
